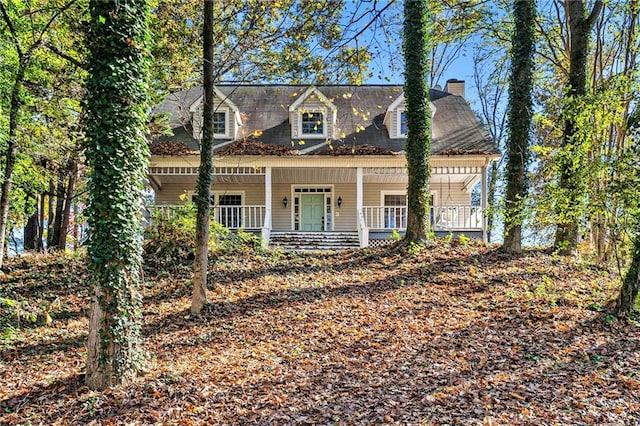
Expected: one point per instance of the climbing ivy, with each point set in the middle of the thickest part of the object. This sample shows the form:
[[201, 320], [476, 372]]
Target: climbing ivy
[[418, 113], [116, 154], [520, 117]]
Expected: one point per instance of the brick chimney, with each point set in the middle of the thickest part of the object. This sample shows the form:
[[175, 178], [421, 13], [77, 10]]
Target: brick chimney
[[455, 87]]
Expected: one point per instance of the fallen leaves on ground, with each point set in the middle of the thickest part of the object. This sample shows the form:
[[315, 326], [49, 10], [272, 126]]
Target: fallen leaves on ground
[[445, 335]]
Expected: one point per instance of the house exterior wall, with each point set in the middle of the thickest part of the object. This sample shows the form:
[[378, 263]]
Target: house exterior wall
[[171, 192]]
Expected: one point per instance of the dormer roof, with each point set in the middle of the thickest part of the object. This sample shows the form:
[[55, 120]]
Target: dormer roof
[[312, 90], [224, 100]]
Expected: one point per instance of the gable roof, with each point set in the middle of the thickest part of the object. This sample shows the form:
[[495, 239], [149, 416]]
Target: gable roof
[[312, 90], [361, 111]]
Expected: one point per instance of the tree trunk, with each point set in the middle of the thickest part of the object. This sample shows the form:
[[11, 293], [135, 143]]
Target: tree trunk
[[10, 157], [631, 283], [205, 171], [57, 223], [572, 155], [51, 213], [520, 117], [66, 214], [41, 223], [31, 230], [116, 156], [418, 112]]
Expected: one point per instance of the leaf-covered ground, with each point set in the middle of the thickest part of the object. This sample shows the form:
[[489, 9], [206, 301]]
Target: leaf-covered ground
[[448, 335]]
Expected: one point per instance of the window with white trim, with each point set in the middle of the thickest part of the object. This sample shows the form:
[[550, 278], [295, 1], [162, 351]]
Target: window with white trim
[[402, 123], [395, 211], [220, 123], [313, 124], [228, 209]]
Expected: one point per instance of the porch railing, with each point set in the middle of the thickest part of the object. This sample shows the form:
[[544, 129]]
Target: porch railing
[[383, 217], [443, 218], [232, 217], [236, 217]]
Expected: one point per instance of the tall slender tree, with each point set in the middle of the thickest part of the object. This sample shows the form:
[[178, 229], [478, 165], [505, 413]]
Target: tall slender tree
[[520, 116], [116, 154], [573, 154], [205, 172], [416, 93]]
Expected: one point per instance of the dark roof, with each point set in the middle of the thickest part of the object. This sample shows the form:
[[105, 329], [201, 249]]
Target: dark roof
[[265, 115]]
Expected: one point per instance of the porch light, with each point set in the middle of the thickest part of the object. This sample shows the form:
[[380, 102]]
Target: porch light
[[339, 202], [285, 202]]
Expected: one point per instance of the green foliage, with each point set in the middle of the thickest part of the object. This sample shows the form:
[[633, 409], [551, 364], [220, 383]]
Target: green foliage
[[395, 235], [464, 240], [16, 313], [170, 238]]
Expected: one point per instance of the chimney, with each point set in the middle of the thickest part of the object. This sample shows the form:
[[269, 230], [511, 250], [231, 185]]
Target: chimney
[[455, 87]]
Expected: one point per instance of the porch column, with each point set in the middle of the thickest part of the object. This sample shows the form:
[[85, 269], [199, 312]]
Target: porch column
[[266, 226], [267, 194], [363, 231], [359, 189], [483, 201]]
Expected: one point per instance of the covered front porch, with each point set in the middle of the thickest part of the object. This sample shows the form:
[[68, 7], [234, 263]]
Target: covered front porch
[[366, 195]]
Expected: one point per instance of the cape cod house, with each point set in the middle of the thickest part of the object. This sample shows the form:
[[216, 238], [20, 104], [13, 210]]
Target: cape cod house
[[309, 162]]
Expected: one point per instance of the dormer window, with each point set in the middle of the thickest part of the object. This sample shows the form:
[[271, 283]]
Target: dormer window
[[220, 123], [402, 123], [312, 123], [312, 115]]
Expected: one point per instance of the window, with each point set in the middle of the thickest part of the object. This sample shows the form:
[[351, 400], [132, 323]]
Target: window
[[228, 209], [402, 123], [312, 123], [395, 211], [220, 123]]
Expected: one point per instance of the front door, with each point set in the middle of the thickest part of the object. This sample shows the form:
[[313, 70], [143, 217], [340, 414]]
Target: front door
[[312, 212]]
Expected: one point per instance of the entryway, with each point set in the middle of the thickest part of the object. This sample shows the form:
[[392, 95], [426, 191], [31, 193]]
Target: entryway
[[312, 206]]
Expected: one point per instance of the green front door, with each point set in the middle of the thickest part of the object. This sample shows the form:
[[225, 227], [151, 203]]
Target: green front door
[[312, 212]]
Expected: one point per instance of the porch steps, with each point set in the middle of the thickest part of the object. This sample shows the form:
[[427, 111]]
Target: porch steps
[[312, 241]]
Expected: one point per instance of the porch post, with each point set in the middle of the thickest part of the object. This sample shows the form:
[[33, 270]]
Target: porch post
[[363, 231], [359, 189], [483, 202], [266, 226]]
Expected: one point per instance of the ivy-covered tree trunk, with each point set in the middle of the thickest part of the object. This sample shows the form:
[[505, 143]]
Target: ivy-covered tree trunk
[[569, 206], [631, 283], [416, 93], [205, 172], [116, 154], [519, 118]]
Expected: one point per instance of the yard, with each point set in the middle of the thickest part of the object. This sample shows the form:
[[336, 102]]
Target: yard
[[455, 334]]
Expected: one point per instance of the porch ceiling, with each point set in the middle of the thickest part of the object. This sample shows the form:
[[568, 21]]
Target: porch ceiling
[[314, 175], [453, 178]]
